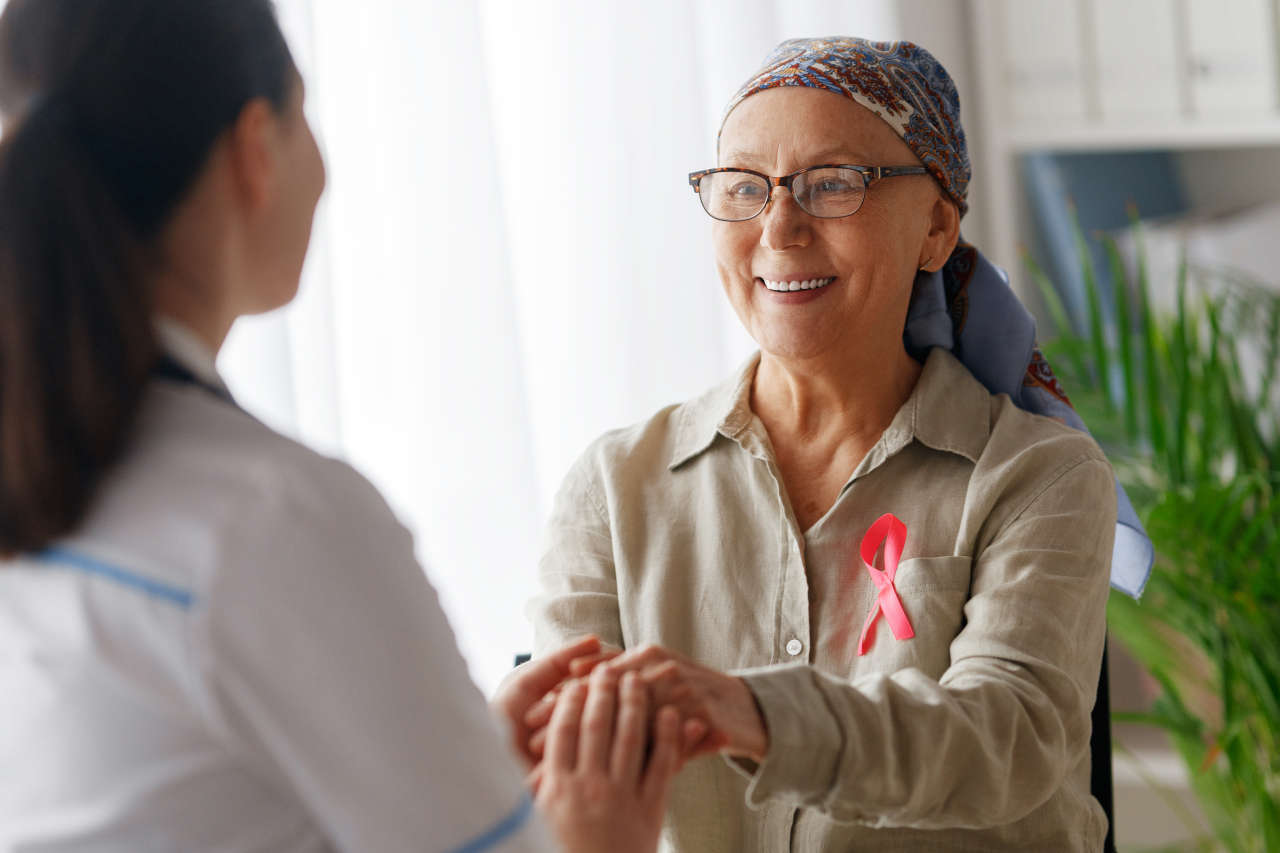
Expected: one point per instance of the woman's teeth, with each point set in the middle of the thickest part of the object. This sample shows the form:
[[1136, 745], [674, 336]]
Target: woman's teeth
[[807, 284]]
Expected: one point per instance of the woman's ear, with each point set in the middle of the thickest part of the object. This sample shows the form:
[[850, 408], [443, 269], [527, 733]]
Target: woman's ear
[[943, 233], [252, 154]]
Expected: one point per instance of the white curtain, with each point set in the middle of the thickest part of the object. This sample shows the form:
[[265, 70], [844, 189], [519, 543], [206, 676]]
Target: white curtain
[[508, 260]]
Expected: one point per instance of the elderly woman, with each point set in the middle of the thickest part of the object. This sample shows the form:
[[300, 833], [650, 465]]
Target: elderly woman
[[903, 570]]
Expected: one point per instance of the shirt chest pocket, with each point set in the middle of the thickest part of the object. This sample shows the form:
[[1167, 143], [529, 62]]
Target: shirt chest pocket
[[933, 591]]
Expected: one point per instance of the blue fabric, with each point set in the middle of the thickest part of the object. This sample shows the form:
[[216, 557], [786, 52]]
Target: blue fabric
[[969, 309], [502, 830], [157, 589]]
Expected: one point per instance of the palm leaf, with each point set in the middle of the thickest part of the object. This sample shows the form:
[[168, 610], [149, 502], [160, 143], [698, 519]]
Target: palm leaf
[[1124, 335], [1152, 347], [1097, 328]]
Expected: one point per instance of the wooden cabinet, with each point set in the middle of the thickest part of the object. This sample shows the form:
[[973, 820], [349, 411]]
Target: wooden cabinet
[[1231, 57], [1138, 69], [1044, 66]]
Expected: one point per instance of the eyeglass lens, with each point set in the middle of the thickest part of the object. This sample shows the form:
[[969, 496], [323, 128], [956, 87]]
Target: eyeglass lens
[[828, 193]]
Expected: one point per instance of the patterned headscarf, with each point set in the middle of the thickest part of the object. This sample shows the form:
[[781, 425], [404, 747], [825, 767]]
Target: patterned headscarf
[[899, 81], [967, 307]]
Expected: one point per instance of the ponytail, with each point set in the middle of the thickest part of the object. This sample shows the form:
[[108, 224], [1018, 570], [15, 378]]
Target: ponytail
[[111, 110], [75, 332]]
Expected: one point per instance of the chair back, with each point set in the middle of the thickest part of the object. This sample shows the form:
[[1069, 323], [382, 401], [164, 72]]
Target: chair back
[[1100, 781]]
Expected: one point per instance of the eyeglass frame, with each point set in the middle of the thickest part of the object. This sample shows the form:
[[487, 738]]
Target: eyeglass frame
[[870, 174]]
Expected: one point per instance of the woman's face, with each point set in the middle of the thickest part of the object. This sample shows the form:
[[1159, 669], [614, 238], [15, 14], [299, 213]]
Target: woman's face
[[285, 228], [869, 259]]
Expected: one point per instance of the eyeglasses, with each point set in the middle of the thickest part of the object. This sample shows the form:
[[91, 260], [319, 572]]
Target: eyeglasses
[[828, 192]]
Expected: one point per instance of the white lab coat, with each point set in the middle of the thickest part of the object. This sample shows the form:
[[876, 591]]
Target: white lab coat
[[237, 651]]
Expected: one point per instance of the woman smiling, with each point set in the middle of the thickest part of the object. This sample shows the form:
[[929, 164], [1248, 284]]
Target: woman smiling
[[902, 562]]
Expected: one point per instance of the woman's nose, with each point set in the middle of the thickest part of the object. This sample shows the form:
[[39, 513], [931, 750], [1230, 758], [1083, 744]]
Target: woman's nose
[[784, 225]]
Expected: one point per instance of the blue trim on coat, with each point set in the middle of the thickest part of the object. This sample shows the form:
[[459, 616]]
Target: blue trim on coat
[[88, 565], [501, 831]]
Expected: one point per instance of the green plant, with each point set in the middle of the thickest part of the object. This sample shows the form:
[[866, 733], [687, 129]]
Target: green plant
[[1193, 436]]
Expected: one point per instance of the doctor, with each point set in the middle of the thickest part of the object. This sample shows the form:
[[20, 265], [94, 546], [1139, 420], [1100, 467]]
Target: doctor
[[210, 636]]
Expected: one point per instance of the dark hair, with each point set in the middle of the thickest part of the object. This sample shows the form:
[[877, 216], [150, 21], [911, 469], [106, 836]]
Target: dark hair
[[111, 109]]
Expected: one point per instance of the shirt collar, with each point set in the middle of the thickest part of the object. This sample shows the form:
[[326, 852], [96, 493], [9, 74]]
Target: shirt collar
[[186, 348], [948, 410], [724, 410]]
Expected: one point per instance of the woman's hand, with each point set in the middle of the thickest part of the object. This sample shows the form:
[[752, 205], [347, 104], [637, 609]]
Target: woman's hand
[[535, 681], [699, 693], [595, 787]]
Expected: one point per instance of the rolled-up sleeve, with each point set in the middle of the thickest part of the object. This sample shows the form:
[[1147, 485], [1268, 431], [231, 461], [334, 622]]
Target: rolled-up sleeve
[[577, 571], [994, 737]]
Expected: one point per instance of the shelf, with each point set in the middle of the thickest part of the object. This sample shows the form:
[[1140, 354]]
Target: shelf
[[1083, 136]]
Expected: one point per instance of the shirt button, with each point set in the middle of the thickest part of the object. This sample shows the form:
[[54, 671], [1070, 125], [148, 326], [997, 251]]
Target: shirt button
[[794, 647]]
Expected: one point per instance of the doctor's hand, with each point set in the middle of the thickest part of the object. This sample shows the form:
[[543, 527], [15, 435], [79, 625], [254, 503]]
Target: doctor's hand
[[610, 757], [732, 722], [540, 680]]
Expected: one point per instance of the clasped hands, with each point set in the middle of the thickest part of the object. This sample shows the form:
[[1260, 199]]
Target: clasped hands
[[602, 733], [714, 712]]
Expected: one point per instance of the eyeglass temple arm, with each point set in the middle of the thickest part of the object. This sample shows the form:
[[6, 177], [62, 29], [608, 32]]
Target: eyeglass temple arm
[[875, 173]]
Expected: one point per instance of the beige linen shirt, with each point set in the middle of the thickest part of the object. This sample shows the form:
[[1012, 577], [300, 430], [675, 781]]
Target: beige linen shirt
[[974, 734]]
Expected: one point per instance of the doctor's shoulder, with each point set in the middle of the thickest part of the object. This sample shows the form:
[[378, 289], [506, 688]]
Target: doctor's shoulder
[[251, 490]]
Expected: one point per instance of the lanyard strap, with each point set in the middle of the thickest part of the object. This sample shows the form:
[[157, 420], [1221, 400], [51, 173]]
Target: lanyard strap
[[171, 370]]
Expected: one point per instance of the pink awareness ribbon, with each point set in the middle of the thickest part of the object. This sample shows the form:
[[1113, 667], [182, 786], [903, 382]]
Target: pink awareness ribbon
[[893, 533]]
